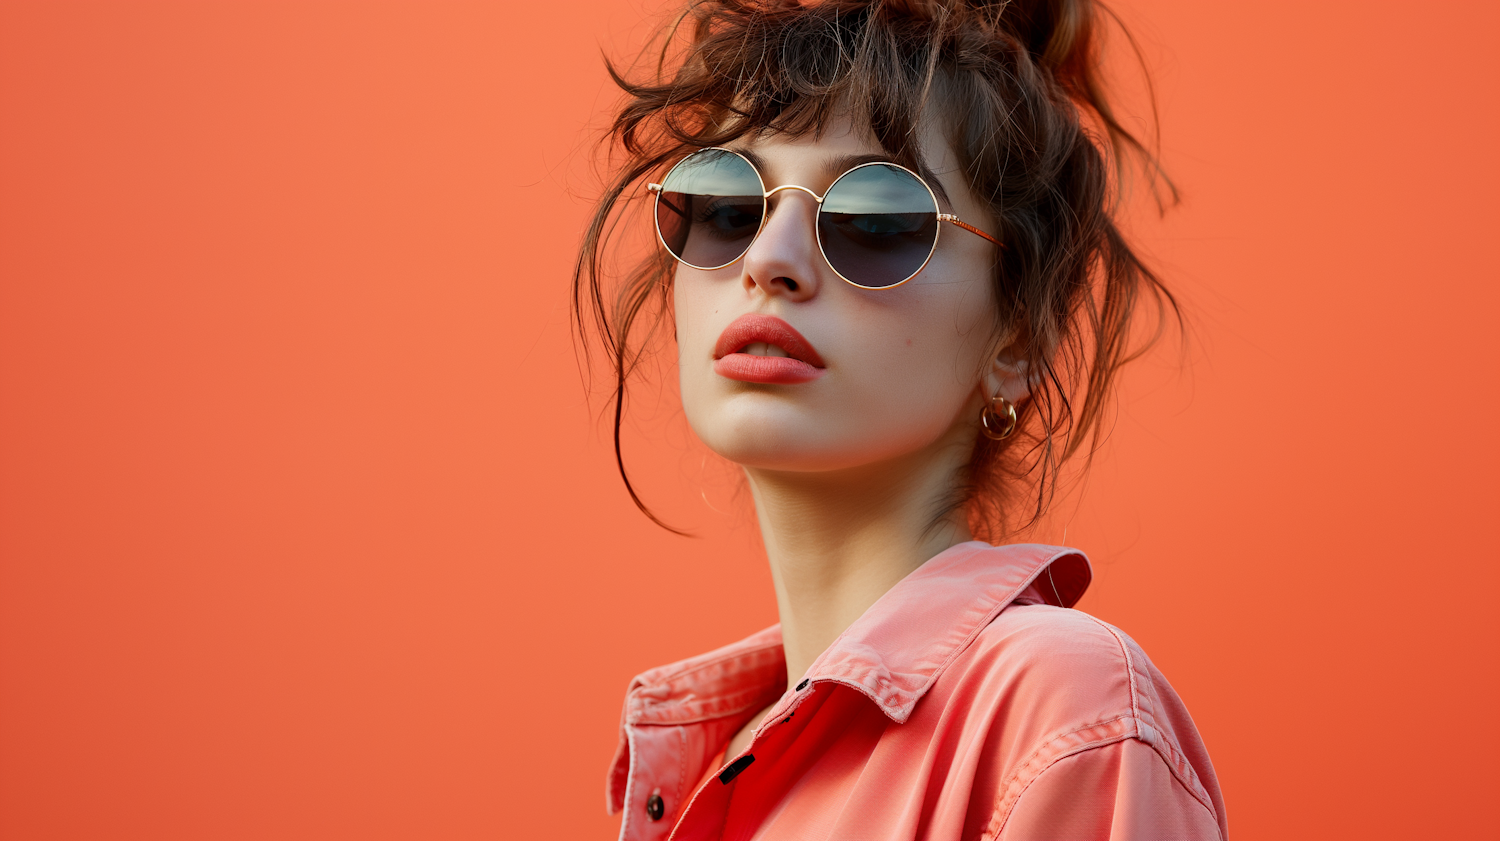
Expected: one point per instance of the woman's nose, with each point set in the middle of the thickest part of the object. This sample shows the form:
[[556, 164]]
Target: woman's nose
[[785, 259]]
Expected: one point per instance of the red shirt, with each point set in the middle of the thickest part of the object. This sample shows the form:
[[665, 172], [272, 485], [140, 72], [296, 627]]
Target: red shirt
[[969, 702]]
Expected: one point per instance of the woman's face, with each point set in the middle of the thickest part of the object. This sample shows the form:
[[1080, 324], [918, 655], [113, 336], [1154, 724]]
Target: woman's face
[[897, 371]]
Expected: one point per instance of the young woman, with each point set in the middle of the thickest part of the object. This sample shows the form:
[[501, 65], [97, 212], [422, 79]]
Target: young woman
[[899, 301]]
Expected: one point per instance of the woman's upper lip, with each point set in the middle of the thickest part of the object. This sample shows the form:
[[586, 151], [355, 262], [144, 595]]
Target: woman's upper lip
[[751, 328]]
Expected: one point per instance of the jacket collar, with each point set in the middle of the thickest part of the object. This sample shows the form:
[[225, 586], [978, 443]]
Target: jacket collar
[[903, 643], [893, 653]]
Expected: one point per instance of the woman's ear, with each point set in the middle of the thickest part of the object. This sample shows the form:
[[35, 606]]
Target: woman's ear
[[1009, 376]]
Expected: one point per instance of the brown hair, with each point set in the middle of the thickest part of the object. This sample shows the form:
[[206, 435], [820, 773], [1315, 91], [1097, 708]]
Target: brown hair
[[1017, 86]]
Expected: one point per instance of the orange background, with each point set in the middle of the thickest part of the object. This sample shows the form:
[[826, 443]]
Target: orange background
[[307, 530]]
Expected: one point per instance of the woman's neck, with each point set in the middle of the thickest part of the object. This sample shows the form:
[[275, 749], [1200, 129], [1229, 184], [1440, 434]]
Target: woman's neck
[[838, 541]]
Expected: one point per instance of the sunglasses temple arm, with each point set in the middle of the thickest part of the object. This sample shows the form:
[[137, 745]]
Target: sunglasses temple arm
[[948, 217]]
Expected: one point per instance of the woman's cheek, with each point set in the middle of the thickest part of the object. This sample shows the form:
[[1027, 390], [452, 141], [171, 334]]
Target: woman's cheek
[[905, 394]]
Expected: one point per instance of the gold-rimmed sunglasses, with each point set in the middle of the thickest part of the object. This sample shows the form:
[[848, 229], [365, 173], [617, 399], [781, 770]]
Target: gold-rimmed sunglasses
[[877, 226]]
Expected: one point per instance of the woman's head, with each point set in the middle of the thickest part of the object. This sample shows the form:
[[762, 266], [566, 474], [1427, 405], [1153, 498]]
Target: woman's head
[[989, 104]]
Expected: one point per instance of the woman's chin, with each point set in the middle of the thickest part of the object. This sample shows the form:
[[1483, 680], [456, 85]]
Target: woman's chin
[[766, 432], [757, 450], [804, 453]]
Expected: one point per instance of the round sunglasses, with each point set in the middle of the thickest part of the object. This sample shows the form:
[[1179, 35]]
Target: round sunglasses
[[877, 224]]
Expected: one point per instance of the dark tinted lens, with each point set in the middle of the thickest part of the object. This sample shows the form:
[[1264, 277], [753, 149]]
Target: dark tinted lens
[[878, 225], [710, 208]]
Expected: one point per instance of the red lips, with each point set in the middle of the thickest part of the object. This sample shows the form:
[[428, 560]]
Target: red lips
[[801, 364]]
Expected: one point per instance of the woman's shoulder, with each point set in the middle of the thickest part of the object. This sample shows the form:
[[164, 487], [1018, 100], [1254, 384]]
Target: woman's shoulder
[[1032, 628], [1081, 668], [1072, 665], [1038, 641], [1050, 683]]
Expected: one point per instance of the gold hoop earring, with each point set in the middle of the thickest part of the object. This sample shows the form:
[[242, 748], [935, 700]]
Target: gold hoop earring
[[1005, 427]]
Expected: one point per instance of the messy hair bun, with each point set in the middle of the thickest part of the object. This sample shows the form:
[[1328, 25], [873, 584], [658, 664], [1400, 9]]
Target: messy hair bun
[[1016, 86]]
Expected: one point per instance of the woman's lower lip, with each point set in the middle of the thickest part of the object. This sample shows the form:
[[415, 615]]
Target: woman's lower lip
[[765, 369]]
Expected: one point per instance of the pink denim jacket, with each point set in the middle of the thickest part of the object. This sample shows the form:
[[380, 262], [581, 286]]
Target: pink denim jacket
[[969, 702]]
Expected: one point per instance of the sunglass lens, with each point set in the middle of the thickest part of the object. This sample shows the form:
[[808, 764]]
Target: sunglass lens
[[878, 225], [709, 209]]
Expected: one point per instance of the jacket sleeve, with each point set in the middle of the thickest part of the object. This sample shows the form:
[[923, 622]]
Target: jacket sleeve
[[1123, 791]]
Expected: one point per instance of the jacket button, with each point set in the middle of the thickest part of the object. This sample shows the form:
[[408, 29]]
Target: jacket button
[[655, 808]]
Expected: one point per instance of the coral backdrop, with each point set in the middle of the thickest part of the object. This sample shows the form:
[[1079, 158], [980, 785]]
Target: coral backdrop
[[307, 530]]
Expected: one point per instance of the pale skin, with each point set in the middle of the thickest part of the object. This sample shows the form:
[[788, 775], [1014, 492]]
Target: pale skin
[[847, 471]]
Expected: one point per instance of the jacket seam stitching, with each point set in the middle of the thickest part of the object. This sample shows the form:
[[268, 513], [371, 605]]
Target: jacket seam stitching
[[997, 822], [1129, 663], [735, 655], [697, 717], [637, 686], [1164, 747]]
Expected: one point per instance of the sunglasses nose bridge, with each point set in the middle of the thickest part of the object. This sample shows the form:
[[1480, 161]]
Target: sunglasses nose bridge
[[817, 198]]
